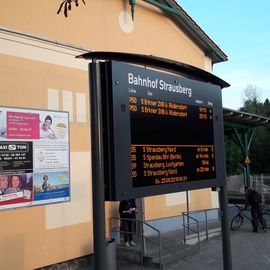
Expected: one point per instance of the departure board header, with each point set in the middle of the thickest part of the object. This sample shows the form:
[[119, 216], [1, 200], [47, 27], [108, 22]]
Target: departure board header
[[163, 132], [158, 84]]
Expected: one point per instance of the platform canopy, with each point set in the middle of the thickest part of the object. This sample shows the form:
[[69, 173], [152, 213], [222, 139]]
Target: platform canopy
[[240, 127], [234, 118]]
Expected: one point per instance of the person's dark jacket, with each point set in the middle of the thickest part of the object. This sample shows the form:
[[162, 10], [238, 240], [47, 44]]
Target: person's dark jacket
[[253, 198], [125, 205]]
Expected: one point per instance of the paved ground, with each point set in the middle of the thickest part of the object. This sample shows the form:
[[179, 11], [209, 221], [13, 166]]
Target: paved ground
[[249, 251]]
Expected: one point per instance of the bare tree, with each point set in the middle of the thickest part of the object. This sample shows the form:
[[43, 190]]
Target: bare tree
[[252, 100], [252, 92]]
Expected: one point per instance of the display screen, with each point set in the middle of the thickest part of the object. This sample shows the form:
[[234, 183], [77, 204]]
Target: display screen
[[162, 132], [170, 142]]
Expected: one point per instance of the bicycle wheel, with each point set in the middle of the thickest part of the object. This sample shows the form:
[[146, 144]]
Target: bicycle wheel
[[266, 217], [236, 222]]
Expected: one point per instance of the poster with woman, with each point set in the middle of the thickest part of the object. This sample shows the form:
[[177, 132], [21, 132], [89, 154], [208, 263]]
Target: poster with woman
[[16, 190]]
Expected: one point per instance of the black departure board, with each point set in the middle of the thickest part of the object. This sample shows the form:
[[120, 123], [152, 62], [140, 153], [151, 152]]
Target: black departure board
[[162, 132], [162, 157]]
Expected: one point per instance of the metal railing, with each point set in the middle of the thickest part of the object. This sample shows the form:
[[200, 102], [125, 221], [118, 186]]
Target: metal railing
[[198, 230], [187, 226], [140, 234]]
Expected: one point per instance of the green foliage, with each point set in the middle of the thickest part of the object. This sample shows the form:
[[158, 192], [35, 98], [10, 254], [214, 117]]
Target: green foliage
[[233, 156], [260, 151]]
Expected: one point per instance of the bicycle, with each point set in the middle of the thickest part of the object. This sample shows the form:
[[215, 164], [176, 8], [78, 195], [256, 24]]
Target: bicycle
[[239, 218]]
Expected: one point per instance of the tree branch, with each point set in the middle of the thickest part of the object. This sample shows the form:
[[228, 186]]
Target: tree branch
[[66, 6]]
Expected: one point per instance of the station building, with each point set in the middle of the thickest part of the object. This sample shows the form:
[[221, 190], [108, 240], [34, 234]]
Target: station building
[[39, 71]]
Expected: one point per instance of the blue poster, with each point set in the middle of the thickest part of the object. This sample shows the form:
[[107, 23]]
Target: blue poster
[[51, 185]]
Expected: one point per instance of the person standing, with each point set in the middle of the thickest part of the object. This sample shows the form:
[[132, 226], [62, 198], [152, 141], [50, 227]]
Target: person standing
[[127, 210], [254, 199]]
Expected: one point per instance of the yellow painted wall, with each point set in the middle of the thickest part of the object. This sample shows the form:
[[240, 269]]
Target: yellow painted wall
[[44, 235], [24, 83], [158, 207], [96, 26]]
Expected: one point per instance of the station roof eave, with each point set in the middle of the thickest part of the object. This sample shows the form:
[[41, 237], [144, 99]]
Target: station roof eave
[[177, 14], [238, 119]]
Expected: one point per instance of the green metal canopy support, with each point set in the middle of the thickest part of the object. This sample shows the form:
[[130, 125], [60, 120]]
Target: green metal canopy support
[[240, 127], [243, 137]]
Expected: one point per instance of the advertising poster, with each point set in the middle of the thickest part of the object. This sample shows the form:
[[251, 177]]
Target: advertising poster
[[48, 186], [34, 157], [16, 156]]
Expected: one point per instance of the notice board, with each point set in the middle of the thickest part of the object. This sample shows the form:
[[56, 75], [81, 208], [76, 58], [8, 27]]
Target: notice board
[[34, 157], [162, 132]]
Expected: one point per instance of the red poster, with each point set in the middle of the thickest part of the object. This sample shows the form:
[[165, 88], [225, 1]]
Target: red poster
[[22, 125]]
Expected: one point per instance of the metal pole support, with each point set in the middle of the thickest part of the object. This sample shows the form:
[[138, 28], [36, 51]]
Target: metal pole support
[[97, 167], [226, 241]]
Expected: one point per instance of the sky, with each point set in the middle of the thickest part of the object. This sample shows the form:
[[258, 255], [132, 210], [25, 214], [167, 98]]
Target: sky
[[242, 30]]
